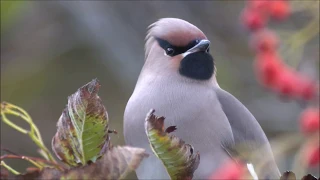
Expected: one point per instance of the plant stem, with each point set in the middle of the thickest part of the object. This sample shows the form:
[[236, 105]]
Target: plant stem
[[28, 118], [34, 160], [9, 168], [42, 146], [34, 132], [14, 126]]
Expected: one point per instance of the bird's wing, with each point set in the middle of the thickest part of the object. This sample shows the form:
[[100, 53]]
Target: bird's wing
[[248, 134]]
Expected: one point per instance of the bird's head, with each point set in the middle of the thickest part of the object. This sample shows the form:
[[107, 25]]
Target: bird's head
[[175, 45]]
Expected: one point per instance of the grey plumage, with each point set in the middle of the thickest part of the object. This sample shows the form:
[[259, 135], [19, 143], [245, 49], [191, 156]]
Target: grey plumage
[[248, 133], [207, 117]]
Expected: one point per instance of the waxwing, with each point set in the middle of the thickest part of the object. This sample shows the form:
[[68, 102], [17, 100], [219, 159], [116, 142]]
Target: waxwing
[[178, 80]]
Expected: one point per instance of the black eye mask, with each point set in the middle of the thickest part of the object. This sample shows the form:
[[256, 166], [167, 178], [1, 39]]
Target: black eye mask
[[175, 50], [198, 65]]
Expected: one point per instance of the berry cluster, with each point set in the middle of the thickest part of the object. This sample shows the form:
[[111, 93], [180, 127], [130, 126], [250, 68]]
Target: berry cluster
[[270, 69], [257, 12], [274, 74]]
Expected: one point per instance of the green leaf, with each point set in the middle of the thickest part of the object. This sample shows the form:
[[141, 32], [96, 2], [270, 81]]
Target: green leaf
[[82, 130], [114, 164], [178, 158]]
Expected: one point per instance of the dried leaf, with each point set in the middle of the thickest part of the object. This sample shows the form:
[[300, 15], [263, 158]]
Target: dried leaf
[[309, 177], [115, 164], [32, 169], [4, 173], [82, 129], [171, 129], [288, 175], [178, 158], [46, 173]]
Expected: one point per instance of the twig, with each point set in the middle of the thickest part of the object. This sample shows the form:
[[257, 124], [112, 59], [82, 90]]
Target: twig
[[34, 132], [14, 126], [9, 151], [33, 160], [9, 168]]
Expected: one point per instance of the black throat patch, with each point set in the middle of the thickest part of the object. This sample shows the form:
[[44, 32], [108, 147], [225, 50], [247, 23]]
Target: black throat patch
[[198, 65]]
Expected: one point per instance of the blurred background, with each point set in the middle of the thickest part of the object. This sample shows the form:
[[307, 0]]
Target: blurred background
[[50, 49]]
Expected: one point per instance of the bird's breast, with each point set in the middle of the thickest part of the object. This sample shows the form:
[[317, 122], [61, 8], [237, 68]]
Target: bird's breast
[[190, 107], [193, 109]]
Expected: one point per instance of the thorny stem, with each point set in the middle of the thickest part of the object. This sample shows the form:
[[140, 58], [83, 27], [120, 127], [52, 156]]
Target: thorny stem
[[10, 169], [34, 133]]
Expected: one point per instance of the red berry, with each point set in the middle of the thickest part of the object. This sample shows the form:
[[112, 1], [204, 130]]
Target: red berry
[[261, 5], [229, 170], [264, 41], [286, 82], [312, 154], [279, 10], [268, 68], [307, 89], [309, 120], [314, 157], [253, 19]]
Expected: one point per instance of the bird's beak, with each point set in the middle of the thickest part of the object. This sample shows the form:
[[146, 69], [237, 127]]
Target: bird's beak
[[203, 45]]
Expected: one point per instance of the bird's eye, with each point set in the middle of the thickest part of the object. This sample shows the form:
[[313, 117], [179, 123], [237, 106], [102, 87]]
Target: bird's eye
[[197, 41], [169, 51], [208, 50]]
